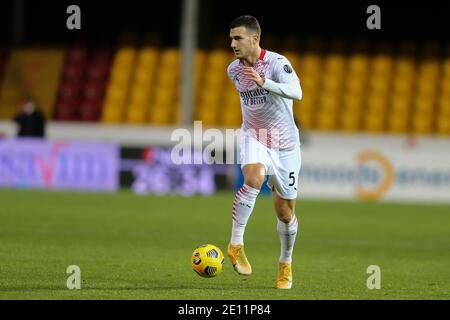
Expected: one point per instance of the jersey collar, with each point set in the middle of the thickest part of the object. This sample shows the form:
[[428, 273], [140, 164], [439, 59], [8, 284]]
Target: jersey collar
[[261, 56]]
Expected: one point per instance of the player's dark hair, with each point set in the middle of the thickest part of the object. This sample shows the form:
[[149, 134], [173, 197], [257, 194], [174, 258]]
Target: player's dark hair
[[249, 22]]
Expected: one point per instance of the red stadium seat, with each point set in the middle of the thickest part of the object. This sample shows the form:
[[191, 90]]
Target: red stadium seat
[[90, 110], [72, 73], [76, 55], [66, 111], [94, 91], [69, 92]]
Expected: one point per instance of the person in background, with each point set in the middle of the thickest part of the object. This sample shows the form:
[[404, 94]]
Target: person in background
[[30, 119]]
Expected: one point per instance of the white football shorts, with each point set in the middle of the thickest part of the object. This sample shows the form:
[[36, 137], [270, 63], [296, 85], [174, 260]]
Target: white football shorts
[[282, 167]]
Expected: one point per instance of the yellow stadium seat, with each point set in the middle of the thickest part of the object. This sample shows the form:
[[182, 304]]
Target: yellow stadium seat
[[374, 122], [446, 68], [124, 57], [405, 67], [332, 84], [326, 121], [381, 65], [144, 77], [147, 57], [335, 63], [355, 85], [422, 123], [168, 78], [423, 105], [398, 122], [170, 58], [305, 119], [376, 104], [164, 96], [116, 95], [121, 76], [352, 103], [217, 60], [443, 124], [429, 70], [230, 117], [403, 85], [444, 105], [350, 121], [293, 58], [160, 114], [136, 115], [139, 95], [310, 83], [328, 102], [207, 115], [307, 103], [310, 64], [112, 115], [400, 104], [358, 65], [379, 85], [213, 81], [426, 87], [445, 86]]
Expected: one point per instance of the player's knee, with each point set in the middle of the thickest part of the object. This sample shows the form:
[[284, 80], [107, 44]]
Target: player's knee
[[254, 182], [285, 213]]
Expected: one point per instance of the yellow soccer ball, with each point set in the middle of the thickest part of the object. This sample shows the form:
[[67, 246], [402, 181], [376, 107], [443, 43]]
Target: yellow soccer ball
[[207, 261]]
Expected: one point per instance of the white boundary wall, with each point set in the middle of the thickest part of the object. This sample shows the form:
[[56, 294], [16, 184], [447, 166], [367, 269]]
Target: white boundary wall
[[334, 165]]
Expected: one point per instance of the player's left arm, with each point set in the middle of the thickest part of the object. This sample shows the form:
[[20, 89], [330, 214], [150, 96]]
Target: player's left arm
[[287, 83]]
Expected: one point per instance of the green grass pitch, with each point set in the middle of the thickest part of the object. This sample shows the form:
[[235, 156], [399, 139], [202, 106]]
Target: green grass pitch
[[139, 247]]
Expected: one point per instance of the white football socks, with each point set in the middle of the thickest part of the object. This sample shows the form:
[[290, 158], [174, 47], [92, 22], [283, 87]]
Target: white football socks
[[243, 204], [287, 233]]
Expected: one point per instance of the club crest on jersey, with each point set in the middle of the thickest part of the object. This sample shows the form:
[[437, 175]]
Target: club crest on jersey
[[287, 68]]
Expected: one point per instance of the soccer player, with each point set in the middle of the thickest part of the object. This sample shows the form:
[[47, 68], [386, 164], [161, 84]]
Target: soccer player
[[269, 141]]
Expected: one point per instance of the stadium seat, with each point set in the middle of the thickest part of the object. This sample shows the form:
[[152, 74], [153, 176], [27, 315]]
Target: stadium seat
[[445, 86], [76, 55], [332, 84], [350, 121], [334, 64], [403, 85], [381, 65], [66, 111], [352, 103], [328, 103], [136, 115], [72, 73], [444, 105], [374, 122], [69, 92], [355, 85], [376, 103], [90, 111], [400, 104], [111, 114], [398, 122], [424, 105], [326, 121], [358, 65], [422, 123], [306, 119], [443, 124], [379, 85]]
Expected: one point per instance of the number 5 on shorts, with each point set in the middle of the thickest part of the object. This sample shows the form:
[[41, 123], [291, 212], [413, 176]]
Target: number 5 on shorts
[[291, 176]]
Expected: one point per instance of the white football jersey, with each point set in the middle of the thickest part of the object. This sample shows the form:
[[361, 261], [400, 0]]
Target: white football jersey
[[266, 115]]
